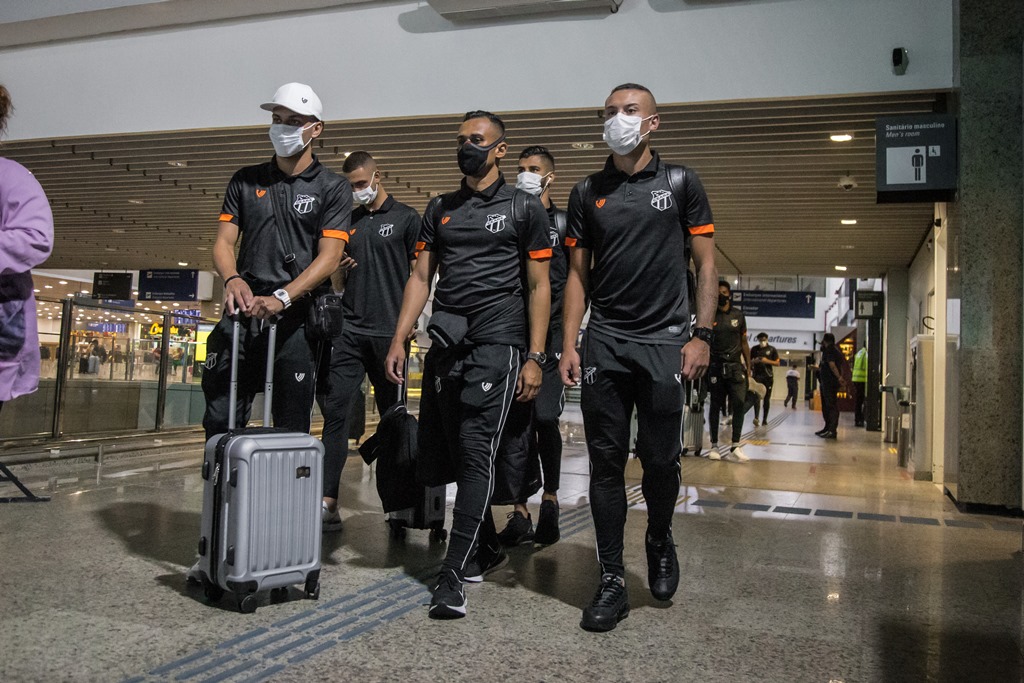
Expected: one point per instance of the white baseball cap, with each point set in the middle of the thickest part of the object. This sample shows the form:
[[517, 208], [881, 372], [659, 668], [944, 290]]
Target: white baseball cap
[[298, 97]]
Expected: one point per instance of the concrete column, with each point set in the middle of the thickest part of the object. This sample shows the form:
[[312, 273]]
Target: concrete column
[[988, 256]]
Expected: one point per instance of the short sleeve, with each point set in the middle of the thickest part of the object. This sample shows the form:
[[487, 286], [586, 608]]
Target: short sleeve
[[336, 218], [428, 227], [576, 234], [231, 210], [411, 232], [537, 239], [697, 216]]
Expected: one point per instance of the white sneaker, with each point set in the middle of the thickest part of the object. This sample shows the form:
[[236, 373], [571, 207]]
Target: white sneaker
[[757, 423], [713, 453], [738, 454], [727, 421], [330, 521]]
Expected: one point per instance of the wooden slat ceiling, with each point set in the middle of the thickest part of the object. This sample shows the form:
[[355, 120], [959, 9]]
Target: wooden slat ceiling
[[770, 170]]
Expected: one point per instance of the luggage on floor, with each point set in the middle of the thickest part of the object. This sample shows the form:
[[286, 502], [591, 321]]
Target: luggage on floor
[[394, 447], [261, 504], [693, 417]]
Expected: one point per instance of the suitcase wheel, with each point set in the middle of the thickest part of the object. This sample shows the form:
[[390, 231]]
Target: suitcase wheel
[[212, 591], [247, 603], [312, 589], [396, 529], [439, 534]]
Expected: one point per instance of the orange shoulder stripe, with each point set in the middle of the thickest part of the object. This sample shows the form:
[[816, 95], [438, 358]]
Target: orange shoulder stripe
[[227, 217], [708, 229], [336, 234], [540, 254]]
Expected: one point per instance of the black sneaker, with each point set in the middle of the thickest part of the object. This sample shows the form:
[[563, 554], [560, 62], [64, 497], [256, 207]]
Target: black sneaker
[[518, 531], [449, 601], [486, 561], [547, 524], [609, 606], [662, 568]]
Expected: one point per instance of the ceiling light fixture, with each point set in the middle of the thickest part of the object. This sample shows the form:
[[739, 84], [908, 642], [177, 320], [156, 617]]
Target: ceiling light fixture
[[62, 282], [178, 164], [109, 248], [843, 268], [849, 221], [136, 201], [840, 137], [182, 263], [119, 231], [48, 286], [583, 145]]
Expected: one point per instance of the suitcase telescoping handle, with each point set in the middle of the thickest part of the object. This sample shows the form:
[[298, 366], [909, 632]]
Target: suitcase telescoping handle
[[268, 384]]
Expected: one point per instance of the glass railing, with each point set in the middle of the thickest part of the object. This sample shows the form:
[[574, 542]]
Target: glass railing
[[127, 369]]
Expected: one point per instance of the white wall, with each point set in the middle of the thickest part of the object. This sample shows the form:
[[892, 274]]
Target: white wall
[[403, 59]]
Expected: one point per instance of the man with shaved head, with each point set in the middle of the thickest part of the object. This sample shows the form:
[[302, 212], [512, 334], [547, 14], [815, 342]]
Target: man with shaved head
[[488, 242], [382, 244], [633, 228]]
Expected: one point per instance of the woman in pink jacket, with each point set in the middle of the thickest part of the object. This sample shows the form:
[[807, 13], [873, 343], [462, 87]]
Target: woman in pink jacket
[[26, 238]]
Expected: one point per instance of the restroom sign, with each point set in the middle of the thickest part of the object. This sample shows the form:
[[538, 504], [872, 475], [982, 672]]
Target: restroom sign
[[916, 158]]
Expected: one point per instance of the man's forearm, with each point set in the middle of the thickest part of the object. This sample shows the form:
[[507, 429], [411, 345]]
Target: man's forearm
[[707, 294], [413, 300], [573, 309], [540, 315], [224, 262], [319, 270]]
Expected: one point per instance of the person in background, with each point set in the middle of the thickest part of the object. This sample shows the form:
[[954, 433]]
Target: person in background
[[860, 385], [729, 372], [792, 386], [762, 358], [26, 239], [830, 373]]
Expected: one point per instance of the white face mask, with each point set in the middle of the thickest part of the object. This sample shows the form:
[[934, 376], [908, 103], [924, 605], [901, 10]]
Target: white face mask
[[622, 132], [532, 183], [367, 195], [287, 140]]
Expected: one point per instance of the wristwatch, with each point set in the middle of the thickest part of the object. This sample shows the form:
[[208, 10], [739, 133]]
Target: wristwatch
[[283, 297], [538, 356], [705, 334]]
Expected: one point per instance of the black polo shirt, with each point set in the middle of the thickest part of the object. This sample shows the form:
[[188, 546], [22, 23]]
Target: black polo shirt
[[825, 375], [481, 252], [383, 243], [558, 272], [314, 204], [637, 233], [762, 371], [730, 331]]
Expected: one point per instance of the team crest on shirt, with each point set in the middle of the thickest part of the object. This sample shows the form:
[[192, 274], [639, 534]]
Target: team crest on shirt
[[589, 375], [211, 361], [386, 229], [734, 322], [303, 203], [437, 384], [661, 199], [495, 222], [554, 239]]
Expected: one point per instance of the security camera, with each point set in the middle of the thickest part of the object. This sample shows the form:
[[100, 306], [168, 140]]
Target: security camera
[[847, 182], [900, 60]]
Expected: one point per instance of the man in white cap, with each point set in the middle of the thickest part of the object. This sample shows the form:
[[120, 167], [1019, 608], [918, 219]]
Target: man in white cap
[[292, 215]]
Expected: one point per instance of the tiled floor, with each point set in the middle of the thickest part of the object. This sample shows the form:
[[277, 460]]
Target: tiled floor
[[816, 561]]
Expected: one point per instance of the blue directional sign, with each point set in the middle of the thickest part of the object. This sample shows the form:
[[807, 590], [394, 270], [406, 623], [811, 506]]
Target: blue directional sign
[[168, 285], [774, 304]]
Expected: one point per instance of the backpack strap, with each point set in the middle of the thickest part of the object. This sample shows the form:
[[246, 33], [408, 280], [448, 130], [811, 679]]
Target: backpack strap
[[677, 183], [561, 222], [520, 210]]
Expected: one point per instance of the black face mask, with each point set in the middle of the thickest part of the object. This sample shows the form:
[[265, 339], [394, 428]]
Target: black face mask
[[723, 299], [473, 157]]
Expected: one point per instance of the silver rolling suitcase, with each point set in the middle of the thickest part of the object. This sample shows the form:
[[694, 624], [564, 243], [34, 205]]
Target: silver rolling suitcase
[[693, 417], [261, 504]]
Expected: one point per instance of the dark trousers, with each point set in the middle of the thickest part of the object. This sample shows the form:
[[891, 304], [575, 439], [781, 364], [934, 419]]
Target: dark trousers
[[618, 377], [792, 387], [728, 380], [830, 406], [294, 373], [859, 391], [467, 392], [547, 439], [352, 357]]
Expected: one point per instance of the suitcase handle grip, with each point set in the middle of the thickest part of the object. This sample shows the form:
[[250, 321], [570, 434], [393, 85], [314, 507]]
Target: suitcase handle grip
[[268, 384]]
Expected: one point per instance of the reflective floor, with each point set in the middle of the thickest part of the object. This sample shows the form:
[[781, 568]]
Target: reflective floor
[[817, 561]]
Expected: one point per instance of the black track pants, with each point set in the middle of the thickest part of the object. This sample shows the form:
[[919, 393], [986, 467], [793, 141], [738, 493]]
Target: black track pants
[[727, 380]]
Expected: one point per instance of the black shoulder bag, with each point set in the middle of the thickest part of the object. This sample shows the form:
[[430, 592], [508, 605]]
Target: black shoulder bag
[[324, 319]]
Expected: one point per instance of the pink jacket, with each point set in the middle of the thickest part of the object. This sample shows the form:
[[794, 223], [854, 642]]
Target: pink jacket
[[26, 238]]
